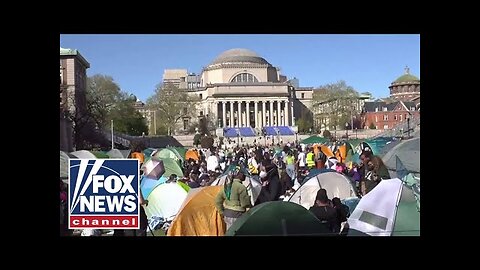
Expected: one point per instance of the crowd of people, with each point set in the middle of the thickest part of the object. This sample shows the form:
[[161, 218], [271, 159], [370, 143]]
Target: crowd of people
[[280, 169]]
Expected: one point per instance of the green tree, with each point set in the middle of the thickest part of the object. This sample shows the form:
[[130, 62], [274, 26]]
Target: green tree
[[304, 125], [171, 104], [102, 95], [126, 118], [372, 126], [334, 104]]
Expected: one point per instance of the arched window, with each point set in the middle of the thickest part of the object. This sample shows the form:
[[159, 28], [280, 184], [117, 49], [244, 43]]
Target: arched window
[[244, 77]]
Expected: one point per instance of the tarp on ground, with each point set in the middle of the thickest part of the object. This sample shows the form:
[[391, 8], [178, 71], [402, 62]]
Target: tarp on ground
[[336, 184], [84, 154], [165, 200], [115, 153], [64, 158], [277, 218], [198, 215], [389, 209], [408, 151]]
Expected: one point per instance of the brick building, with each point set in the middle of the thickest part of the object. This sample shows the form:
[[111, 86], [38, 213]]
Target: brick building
[[386, 116], [73, 101]]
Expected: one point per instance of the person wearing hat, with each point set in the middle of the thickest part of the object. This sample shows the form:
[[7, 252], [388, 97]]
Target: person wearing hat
[[234, 199], [324, 211]]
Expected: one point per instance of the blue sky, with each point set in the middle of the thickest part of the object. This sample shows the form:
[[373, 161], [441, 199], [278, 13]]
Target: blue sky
[[366, 62]]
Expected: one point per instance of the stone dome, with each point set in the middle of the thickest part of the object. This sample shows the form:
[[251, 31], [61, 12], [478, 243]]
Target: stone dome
[[239, 56], [407, 77]]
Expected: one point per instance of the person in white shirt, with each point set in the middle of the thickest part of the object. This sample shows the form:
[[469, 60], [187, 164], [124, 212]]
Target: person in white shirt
[[212, 162], [301, 160]]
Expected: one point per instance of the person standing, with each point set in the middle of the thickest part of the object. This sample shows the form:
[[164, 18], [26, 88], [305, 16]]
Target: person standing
[[233, 200]]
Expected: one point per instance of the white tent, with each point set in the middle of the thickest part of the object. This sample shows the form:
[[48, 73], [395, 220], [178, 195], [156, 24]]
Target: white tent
[[336, 184], [84, 154], [115, 153], [374, 214], [165, 201], [64, 158]]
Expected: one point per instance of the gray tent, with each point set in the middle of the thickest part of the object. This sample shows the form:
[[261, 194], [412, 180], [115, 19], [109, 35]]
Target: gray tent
[[64, 157], [408, 152], [115, 153]]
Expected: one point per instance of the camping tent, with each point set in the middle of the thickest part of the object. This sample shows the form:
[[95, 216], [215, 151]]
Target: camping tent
[[170, 153], [84, 154], [100, 154], [314, 139], [198, 215], [64, 165], [277, 218], [115, 153], [165, 201], [389, 209], [408, 152], [171, 167], [192, 153], [148, 184], [336, 184]]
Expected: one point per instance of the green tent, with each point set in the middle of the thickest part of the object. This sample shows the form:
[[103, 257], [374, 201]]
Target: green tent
[[182, 151], [171, 167], [100, 154], [277, 218], [314, 139], [170, 153], [392, 208]]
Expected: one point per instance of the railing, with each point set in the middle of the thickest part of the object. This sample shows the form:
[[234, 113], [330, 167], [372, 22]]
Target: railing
[[119, 138], [401, 129]]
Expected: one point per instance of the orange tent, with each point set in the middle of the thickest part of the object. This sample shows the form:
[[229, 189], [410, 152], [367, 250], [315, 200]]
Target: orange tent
[[198, 215], [325, 149], [341, 153], [192, 153]]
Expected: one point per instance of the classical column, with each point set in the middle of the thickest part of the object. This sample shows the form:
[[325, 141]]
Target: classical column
[[224, 114], [247, 112], [270, 118], [279, 117], [239, 114], [285, 112], [231, 114], [291, 108], [264, 114], [256, 114]]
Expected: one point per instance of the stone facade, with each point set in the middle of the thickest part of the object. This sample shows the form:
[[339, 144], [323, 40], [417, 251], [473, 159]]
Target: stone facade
[[241, 89], [73, 102]]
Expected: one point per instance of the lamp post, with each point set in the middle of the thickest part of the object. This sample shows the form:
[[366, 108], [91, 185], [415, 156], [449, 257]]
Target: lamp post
[[346, 129], [113, 143], [408, 126], [356, 135]]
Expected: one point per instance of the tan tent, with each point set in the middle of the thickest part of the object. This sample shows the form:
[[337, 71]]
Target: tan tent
[[198, 215]]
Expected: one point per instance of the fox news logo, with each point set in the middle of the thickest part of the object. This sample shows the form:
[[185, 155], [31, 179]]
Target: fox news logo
[[103, 194]]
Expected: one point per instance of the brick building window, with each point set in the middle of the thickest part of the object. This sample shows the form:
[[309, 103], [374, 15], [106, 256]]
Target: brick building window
[[395, 117], [385, 117], [384, 109], [401, 117], [376, 119], [385, 126]]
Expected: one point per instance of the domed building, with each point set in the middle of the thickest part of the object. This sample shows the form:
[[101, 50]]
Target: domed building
[[240, 89], [406, 87]]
